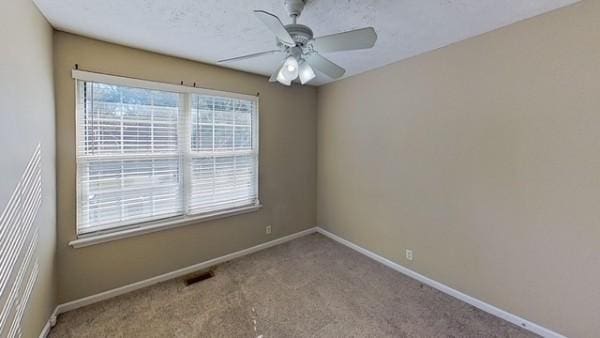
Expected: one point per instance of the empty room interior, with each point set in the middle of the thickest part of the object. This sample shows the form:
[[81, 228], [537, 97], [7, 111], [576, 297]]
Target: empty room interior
[[300, 168]]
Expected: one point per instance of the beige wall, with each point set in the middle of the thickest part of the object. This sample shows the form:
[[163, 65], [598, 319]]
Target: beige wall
[[484, 158], [481, 157], [287, 170], [27, 113]]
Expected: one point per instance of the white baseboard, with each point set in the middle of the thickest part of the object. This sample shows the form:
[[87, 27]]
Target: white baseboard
[[49, 324], [533, 327], [62, 308]]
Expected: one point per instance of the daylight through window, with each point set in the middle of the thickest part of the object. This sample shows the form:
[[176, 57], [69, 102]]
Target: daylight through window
[[145, 155]]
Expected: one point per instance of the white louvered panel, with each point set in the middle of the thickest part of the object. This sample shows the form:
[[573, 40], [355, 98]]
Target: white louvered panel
[[223, 182], [123, 120], [128, 156], [126, 191], [224, 154], [144, 154], [18, 244]]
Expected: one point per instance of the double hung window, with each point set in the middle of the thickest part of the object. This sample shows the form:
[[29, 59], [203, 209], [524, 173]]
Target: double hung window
[[148, 152]]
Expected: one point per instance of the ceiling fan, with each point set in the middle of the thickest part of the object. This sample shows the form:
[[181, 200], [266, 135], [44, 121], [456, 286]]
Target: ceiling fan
[[302, 50]]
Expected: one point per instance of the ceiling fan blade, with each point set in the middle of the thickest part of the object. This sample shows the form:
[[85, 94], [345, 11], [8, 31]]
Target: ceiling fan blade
[[274, 24], [325, 66], [355, 39], [249, 56]]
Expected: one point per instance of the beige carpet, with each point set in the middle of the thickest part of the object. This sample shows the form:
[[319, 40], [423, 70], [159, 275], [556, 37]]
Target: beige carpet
[[310, 287]]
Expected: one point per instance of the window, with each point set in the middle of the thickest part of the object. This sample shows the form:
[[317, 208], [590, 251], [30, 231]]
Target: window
[[147, 153]]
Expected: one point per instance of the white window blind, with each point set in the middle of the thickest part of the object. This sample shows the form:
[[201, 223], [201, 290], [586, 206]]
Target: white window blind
[[144, 155], [223, 153]]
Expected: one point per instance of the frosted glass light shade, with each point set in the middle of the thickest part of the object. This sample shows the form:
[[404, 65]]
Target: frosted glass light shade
[[282, 79], [289, 71], [306, 72]]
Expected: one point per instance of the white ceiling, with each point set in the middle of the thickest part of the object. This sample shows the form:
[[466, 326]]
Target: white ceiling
[[208, 30]]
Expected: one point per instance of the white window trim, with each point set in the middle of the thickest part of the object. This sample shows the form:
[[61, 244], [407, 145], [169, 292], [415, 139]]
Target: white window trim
[[142, 228], [150, 227], [145, 84]]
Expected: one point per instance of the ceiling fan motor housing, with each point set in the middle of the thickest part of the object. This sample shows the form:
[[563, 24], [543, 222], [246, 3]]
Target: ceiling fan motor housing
[[300, 33]]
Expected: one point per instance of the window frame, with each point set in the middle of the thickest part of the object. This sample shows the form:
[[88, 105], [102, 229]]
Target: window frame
[[184, 152]]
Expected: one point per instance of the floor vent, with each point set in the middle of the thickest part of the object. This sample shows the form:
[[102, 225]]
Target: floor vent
[[198, 277]]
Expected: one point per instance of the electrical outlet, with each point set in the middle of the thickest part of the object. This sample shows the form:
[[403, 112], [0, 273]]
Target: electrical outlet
[[268, 229], [409, 254]]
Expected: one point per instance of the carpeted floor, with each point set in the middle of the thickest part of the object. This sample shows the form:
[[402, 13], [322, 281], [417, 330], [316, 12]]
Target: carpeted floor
[[310, 287]]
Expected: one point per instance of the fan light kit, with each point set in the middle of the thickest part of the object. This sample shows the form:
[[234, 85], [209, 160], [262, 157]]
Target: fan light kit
[[302, 50]]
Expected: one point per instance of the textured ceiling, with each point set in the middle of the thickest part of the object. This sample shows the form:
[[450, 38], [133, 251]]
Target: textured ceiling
[[208, 30]]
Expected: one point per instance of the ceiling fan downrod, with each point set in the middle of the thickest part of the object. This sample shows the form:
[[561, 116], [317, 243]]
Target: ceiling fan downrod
[[294, 8]]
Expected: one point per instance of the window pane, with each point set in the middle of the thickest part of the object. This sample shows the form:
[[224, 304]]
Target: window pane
[[202, 137], [243, 113], [203, 108], [223, 182], [223, 110], [223, 137], [232, 127], [140, 127], [129, 157], [122, 120], [118, 192], [224, 159], [243, 138]]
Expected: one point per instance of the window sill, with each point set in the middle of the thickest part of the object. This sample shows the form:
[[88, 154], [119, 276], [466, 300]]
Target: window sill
[[92, 239]]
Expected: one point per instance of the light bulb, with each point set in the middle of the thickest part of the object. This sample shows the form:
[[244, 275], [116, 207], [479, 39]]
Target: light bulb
[[291, 63], [306, 72], [290, 68]]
